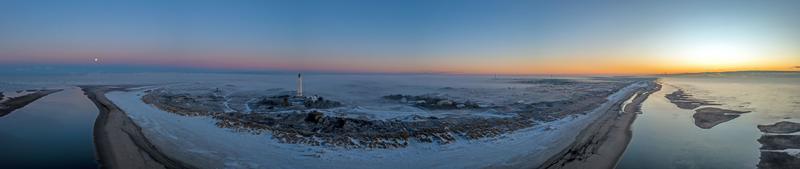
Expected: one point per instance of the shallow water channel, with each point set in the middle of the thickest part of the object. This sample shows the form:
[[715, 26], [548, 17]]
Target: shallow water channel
[[52, 132]]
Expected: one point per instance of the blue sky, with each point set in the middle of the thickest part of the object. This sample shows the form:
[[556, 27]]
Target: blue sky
[[396, 36]]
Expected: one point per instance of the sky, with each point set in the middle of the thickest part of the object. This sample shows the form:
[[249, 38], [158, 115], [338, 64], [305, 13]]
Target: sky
[[430, 36]]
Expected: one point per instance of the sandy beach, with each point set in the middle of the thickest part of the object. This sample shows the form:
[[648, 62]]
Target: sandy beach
[[8, 106], [602, 143], [119, 141]]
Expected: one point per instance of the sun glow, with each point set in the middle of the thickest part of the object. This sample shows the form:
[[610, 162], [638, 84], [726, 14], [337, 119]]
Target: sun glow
[[717, 54]]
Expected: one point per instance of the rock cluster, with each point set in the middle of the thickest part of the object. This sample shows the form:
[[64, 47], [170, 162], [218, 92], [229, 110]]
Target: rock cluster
[[432, 102], [303, 120], [184, 103], [286, 102], [314, 128]]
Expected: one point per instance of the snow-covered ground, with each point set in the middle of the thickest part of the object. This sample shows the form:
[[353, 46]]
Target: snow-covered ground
[[199, 141], [362, 95]]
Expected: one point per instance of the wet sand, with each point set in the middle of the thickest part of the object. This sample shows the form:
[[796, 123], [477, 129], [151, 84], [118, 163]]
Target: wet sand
[[119, 141], [603, 142], [15, 103], [708, 117], [687, 101], [705, 117]]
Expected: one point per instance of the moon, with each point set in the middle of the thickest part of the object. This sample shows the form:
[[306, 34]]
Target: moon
[[96, 60]]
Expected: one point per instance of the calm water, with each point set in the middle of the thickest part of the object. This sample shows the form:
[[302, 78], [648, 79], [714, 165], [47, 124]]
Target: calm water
[[666, 137], [52, 132]]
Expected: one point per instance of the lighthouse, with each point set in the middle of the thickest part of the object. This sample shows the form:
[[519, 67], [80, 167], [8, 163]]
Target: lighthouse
[[299, 85]]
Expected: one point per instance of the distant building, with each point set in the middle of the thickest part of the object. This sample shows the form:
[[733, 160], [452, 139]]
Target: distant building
[[299, 85]]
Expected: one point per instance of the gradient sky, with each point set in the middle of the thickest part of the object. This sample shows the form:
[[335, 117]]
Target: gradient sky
[[475, 37]]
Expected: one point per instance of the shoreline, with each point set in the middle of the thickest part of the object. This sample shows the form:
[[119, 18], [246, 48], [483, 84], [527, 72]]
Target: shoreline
[[119, 142], [15, 103], [602, 143], [255, 150], [130, 139]]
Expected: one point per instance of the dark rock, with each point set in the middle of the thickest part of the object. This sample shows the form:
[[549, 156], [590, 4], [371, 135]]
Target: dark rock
[[314, 117], [780, 127], [341, 122]]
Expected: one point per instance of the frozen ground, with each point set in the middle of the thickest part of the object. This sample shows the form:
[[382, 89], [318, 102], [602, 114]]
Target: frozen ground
[[361, 94], [199, 141], [367, 112]]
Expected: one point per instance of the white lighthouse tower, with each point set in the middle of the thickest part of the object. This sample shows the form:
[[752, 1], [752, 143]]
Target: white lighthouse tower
[[299, 85]]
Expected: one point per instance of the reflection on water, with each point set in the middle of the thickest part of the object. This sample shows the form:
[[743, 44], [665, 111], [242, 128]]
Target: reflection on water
[[665, 136], [52, 132]]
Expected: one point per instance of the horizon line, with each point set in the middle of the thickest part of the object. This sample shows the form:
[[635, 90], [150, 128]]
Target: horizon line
[[154, 68]]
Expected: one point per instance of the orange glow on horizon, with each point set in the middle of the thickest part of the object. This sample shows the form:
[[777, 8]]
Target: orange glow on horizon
[[567, 65], [621, 65]]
